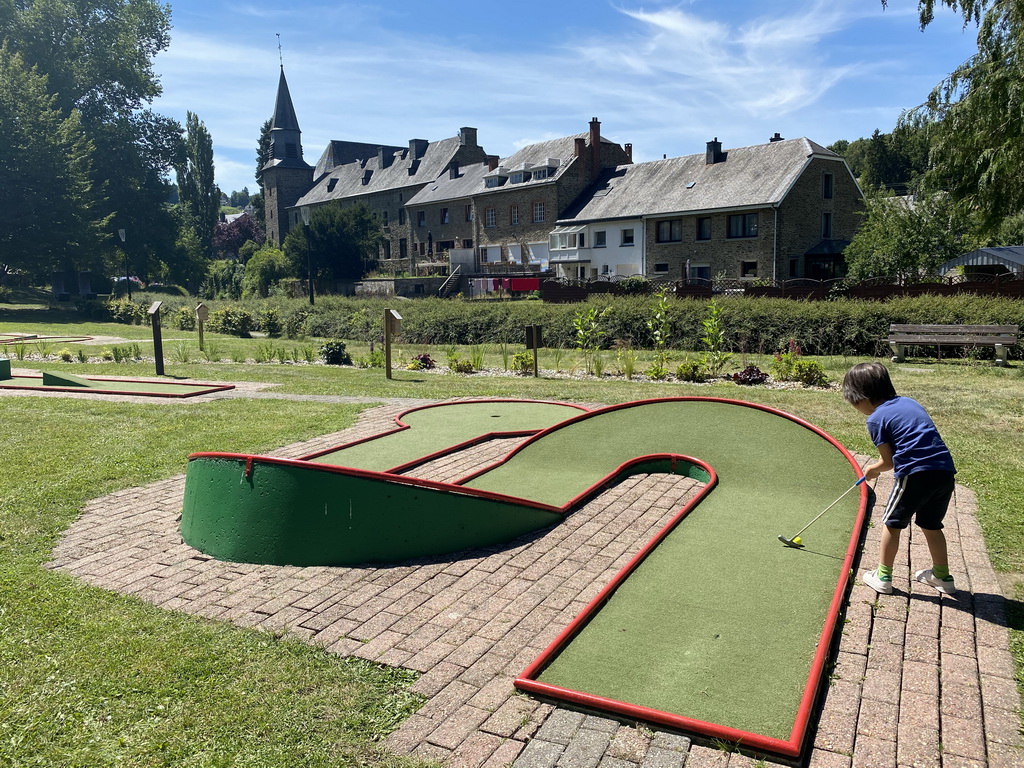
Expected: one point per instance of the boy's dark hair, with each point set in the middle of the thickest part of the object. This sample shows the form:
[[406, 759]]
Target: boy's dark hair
[[868, 381]]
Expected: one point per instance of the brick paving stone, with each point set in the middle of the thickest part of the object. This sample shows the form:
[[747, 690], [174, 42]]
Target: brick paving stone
[[474, 751], [880, 684], [888, 631], [963, 737], [410, 734], [1003, 756], [1002, 726], [961, 701], [505, 755], [995, 662], [698, 757], [1000, 693], [954, 761], [539, 754], [877, 719], [822, 758], [458, 726], [920, 678], [629, 744], [561, 726], [585, 749], [615, 762], [510, 716], [874, 753], [958, 670]]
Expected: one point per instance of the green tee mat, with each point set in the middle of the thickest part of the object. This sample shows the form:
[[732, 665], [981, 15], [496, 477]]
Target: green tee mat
[[5, 369], [719, 629], [67, 382], [432, 430]]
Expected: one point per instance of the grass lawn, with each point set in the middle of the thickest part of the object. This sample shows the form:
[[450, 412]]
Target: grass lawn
[[91, 678]]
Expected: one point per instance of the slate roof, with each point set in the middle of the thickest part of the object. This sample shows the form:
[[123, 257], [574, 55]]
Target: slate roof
[[749, 177], [471, 178], [404, 170]]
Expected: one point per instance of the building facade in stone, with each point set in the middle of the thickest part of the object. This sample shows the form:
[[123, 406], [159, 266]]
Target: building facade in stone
[[504, 209], [773, 211]]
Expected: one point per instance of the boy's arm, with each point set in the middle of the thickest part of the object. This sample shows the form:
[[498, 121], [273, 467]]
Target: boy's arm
[[883, 464]]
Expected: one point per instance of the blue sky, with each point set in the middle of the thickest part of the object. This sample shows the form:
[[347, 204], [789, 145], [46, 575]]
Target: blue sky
[[666, 77]]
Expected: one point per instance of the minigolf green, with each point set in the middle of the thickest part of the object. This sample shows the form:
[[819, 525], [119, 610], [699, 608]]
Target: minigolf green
[[715, 627]]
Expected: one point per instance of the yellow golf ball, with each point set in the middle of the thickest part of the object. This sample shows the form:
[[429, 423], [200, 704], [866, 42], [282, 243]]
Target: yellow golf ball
[[797, 540]]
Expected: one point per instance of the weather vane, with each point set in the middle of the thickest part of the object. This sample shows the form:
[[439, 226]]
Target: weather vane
[[280, 57]]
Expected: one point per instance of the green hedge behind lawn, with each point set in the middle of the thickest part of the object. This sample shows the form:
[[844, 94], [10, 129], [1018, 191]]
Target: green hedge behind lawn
[[754, 325]]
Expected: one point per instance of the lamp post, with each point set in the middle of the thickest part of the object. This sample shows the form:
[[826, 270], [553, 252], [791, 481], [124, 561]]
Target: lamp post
[[309, 259], [121, 233]]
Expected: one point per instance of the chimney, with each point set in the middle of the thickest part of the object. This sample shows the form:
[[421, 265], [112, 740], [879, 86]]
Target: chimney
[[595, 148], [776, 137], [492, 162], [417, 148], [629, 151], [453, 170], [467, 137], [714, 153], [383, 158]]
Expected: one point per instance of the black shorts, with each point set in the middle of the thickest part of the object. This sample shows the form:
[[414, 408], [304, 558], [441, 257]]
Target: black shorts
[[922, 497]]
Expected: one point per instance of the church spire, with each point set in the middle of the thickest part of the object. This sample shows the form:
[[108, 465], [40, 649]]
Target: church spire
[[285, 135]]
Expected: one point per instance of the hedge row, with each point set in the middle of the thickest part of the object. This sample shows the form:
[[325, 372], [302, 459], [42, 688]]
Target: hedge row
[[761, 325]]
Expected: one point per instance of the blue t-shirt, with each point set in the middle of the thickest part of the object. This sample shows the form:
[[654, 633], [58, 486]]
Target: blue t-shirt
[[908, 429]]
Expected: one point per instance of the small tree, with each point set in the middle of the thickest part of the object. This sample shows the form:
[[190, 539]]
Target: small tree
[[266, 267], [341, 243]]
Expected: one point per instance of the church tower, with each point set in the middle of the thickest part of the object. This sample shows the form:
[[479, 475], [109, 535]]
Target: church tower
[[286, 176]]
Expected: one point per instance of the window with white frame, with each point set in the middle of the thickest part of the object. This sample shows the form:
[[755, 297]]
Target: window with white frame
[[600, 239], [538, 213], [539, 173], [513, 214], [491, 217], [627, 238]]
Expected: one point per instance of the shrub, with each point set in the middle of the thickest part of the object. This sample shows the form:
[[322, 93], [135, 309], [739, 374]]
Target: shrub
[[692, 370], [422, 362], [126, 311], [750, 376], [268, 320], [462, 366], [333, 352], [232, 320], [66, 355], [810, 373], [522, 363], [184, 318]]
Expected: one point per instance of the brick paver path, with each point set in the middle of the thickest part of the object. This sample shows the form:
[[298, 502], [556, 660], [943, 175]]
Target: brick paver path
[[920, 680]]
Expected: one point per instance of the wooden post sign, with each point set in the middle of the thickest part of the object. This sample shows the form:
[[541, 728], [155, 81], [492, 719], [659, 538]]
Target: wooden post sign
[[158, 345], [202, 315], [533, 341], [392, 327]]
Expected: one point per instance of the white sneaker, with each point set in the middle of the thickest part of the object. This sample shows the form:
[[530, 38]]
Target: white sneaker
[[929, 578], [881, 587]]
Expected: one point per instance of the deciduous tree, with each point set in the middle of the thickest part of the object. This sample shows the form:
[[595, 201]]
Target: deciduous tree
[[342, 242]]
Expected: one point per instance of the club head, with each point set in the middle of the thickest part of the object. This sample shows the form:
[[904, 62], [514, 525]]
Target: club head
[[789, 542]]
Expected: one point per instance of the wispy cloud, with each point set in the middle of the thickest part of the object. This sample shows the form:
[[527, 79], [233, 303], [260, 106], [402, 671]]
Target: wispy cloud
[[665, 78]]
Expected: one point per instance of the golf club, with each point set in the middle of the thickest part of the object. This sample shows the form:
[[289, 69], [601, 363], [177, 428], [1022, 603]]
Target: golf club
[[797, 545]]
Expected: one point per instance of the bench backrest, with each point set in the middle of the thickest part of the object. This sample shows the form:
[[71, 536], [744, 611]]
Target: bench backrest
[[962, 334]]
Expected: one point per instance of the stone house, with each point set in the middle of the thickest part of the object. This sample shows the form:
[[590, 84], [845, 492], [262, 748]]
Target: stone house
[[773, 211], [505, 209]]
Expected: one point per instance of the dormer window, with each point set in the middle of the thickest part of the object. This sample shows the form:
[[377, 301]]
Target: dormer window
[[519, 177], [492, 181], [540, 173], [331, 184]]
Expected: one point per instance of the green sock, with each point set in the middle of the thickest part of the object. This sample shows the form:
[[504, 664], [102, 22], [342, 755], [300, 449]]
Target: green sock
[[941, 572], [885, 573]]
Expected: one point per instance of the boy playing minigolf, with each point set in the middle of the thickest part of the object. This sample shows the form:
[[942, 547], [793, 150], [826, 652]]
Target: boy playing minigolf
[[909, 444]]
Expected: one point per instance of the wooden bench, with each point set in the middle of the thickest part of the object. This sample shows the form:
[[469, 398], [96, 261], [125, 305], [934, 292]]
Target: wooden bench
[[1001, 337]]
